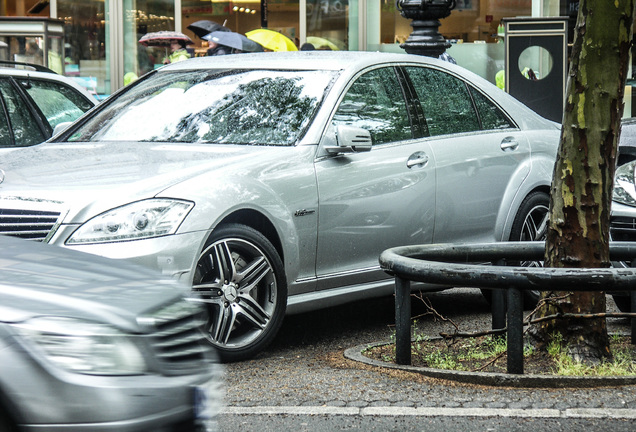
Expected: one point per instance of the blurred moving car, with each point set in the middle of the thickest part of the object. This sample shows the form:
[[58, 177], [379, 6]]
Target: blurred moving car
[[271, 182], [34, 100], [88, 343]]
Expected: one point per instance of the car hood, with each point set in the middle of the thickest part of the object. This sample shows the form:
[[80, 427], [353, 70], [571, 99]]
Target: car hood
[[44, 280], [80, 172]]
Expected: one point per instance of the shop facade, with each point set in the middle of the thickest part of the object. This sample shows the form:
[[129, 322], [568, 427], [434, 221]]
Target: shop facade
[[101, 36]]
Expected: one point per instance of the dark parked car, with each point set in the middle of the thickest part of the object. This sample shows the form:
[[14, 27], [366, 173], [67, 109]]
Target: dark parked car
[[88, 343]]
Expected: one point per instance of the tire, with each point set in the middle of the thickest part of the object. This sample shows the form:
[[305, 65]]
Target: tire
[[530, 224], [623, 302], [241, 280]]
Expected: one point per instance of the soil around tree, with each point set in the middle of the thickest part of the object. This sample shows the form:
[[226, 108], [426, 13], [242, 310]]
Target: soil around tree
[[456, 352]]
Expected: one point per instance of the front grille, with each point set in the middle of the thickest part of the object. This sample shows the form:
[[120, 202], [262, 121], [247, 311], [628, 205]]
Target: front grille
[[177, 340], [623, 228], [27, 224]]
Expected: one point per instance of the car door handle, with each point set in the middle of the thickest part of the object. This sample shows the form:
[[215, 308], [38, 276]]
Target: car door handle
[[509, 143], [417, 159]]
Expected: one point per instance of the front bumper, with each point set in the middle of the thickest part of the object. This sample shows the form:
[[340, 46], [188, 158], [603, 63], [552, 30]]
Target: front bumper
[[623, 222], [173, 255], [47, 398]]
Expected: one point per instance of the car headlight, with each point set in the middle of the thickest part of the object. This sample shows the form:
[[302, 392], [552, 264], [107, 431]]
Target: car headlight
[[139, 220], [84, 347], [624, 188]]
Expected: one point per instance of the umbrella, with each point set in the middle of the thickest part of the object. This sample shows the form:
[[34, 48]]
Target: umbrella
[[204, 27], [272, 40], [163, 38], [319, 42], [233, 40]]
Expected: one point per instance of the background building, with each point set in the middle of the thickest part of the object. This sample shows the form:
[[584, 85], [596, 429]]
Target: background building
[[101, 36]]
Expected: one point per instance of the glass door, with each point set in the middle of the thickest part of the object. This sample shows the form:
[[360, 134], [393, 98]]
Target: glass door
[[86, 47], [139, 18]]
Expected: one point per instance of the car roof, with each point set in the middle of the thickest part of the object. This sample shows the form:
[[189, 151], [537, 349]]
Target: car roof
[[321, 60], [7, 70]]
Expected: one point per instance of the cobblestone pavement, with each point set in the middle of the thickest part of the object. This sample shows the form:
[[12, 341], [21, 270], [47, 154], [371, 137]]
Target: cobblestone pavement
[[305, 366]]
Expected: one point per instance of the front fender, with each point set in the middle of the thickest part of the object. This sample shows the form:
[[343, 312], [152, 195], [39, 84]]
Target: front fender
[[284, 192]]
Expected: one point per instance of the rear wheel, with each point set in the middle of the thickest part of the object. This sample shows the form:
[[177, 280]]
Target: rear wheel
[[240, 278], [623, 302], [530, 224]]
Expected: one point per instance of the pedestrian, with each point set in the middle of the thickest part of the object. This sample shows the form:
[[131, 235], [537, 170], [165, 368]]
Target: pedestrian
[[215, 49], [178, 52], [307, 47]]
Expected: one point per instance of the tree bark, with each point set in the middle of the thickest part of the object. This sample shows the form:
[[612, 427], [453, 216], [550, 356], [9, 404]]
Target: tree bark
[[581, 195]]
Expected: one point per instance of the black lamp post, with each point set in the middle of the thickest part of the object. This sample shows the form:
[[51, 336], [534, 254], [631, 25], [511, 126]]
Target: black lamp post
[[425, 38]]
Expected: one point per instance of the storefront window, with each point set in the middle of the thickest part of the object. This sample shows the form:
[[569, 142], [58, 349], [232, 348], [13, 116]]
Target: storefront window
[[328, 25], [86, 51], [142, 17], [242, 16], [32, 40]]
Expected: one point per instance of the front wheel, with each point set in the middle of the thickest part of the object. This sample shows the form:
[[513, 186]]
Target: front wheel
[[530, 224], [240, 278]]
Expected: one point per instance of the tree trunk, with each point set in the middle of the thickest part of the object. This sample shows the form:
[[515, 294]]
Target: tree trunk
[[578, 232]]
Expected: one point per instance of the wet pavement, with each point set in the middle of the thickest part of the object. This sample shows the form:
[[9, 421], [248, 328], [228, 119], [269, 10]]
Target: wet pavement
[[304, 376]]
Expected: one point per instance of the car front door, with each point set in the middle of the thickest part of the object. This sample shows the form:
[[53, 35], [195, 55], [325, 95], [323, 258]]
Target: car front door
[[21, 127], [480, 155], [374, 200]]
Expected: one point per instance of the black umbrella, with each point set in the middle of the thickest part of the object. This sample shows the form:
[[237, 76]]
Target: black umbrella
[[233, 40], [203, 27]]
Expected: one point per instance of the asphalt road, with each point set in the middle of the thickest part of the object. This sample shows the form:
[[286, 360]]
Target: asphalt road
[[304, 382]]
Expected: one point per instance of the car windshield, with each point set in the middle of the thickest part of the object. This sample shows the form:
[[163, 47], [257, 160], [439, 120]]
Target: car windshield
[[260, 107]]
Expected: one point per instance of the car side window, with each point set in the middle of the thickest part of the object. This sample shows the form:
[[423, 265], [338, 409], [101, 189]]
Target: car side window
[[445, 100], [23, 124], [57, 102], [490, 114], [375, 102], [5, 134]]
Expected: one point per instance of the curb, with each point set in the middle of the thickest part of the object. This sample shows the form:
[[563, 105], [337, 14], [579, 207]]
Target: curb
[[491, 378]]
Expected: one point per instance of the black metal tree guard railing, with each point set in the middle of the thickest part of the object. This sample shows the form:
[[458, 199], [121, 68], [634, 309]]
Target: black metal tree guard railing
[[452, 265]]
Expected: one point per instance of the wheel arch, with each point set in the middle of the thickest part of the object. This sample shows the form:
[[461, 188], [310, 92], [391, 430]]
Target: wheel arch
[[512, 214], [258, 221]]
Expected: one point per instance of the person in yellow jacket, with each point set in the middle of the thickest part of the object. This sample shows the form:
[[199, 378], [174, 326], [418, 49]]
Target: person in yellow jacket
[[178, 52]]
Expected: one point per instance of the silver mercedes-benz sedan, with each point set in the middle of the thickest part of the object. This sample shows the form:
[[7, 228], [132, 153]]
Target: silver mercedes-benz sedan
[[91, 344], [271, 182]]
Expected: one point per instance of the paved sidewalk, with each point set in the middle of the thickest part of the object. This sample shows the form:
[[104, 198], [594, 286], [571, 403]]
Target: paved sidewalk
[[306, 373]]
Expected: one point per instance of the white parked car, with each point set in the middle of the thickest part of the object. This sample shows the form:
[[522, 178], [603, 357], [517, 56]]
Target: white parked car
[[34, 100], [271, 182]]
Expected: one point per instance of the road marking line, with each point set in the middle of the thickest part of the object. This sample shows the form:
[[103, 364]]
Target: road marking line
[[614, 413]]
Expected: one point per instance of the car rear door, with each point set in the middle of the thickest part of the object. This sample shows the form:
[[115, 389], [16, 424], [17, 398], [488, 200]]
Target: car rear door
[[480, 155], [374, 200]]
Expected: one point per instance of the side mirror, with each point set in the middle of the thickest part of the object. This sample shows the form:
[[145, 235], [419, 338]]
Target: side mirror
[[60, 127], [351, 139]]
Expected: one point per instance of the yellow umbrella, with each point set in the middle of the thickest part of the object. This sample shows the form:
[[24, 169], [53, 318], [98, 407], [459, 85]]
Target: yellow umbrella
[[272, 40], [319, 43]]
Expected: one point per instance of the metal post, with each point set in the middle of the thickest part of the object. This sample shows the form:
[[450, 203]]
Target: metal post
[[498, 305], [515, 331], [498, 309], [425, 39], [402, 321], [632, 304], [632, 295]]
